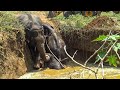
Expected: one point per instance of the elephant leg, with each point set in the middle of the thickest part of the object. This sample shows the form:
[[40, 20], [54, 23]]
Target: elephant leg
[[32, 52], [37, 60], [34, 55], [42, 52], [40, 40]]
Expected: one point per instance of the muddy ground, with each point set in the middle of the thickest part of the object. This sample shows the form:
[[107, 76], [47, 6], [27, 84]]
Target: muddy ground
[[72, 71]]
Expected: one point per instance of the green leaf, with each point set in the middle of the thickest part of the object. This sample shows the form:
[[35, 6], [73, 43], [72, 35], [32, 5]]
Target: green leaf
[[112, 37], [112, 60], [117, 37], [118, 45], [107, 60], [100, 38], [115, 48], [97, 59], [100, 55]]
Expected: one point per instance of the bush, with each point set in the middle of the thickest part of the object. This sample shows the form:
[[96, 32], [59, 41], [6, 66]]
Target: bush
[[78, 21], [8, 21]]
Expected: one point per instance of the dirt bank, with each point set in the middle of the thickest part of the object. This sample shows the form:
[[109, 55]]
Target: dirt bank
[[14, 56]]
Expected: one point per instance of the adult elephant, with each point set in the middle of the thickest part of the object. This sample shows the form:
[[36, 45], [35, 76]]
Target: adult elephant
[[34, 33], [54, 42]]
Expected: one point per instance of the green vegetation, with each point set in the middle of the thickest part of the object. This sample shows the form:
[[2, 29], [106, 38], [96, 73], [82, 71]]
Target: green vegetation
[[109, 51], [8, 21], [79, 21], [111, 14]]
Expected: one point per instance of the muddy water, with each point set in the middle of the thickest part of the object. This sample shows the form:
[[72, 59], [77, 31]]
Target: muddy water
[[73, 72]]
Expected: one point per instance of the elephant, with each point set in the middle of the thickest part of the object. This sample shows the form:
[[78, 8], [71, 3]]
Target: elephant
[[54, 42], [52, 63], [51, 14], [34, 33]]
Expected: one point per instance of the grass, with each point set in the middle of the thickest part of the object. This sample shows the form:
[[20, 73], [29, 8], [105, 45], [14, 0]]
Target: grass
[[8, 21], [79, 21]]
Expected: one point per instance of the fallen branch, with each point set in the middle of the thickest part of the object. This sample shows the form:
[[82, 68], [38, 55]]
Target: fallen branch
[[102, 70], [102, 67], [106, 55], [77, 62], [94, 53], [96, 50], [118, 55], [74, 54]]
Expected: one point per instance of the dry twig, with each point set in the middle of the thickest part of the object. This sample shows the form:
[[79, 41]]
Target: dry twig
[[105, 55], [77, 62], [96, 50]]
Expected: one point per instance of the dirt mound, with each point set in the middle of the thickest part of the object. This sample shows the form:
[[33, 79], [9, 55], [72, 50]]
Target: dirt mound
[[81, 39], [14, 59], [102, 22]]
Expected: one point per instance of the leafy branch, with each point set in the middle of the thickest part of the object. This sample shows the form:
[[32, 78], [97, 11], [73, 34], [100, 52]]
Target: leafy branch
[[104, 53]]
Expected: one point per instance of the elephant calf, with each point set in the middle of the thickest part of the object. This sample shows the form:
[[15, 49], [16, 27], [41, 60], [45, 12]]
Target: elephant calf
[[52, 63]]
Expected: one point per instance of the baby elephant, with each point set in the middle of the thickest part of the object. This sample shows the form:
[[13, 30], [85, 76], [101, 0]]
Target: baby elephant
[[52, 63]]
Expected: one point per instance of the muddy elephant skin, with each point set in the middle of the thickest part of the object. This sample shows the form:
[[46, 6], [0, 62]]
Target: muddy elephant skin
[[34, 38], [52, 63], [54, 41]]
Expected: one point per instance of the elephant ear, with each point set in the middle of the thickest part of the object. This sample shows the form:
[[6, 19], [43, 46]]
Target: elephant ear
[[47, 30]]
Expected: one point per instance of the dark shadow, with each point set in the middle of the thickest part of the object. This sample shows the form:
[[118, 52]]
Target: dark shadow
[[27, 58], [41, 69]]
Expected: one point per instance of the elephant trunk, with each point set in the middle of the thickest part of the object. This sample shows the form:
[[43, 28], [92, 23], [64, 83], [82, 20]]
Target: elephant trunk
[[40, 47]]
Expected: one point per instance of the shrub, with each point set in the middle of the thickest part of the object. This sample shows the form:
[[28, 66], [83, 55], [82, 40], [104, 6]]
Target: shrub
[[8, 21]]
